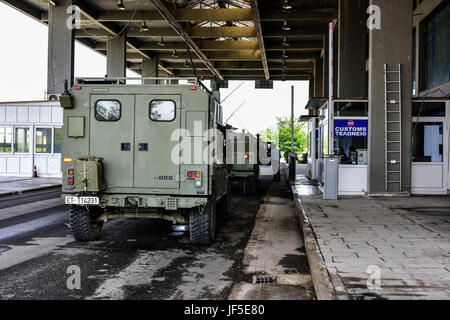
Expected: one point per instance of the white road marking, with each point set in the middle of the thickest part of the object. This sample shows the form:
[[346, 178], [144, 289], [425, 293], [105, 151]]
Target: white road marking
[[31, 225], [205, 275], [31, 250], [28, 208], [140, 272]]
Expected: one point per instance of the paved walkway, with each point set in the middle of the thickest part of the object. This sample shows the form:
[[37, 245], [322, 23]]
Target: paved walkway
[[13, 185], [404, 240], [275, 263]]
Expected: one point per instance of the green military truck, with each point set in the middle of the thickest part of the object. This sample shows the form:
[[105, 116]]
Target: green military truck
[[244, 166], [248, 153], [124, 155]]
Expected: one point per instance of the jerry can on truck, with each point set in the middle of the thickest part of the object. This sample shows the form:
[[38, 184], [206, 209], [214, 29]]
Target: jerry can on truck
[[124, 155]]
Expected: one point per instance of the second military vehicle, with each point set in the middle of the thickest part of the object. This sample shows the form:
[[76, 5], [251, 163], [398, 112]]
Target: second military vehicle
[[247, 154], [124, 155]]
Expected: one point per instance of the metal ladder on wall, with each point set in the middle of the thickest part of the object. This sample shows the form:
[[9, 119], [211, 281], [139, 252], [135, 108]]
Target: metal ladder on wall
[[393, 128]]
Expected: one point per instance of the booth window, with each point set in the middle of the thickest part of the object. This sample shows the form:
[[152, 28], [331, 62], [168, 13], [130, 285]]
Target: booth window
[[351, 109], [6, 139], [43, 140], [428, 109], [437, 48], [22, 140], [428, 142], [162, 110], [108, 110], [58, 140], [351, 140], [325, 139]]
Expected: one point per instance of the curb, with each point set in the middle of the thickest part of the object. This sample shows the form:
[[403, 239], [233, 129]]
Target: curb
[[12, 193], [323, 285]]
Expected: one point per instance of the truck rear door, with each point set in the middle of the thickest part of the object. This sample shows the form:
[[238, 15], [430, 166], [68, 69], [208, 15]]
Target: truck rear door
[[112, 137], [157, 117]]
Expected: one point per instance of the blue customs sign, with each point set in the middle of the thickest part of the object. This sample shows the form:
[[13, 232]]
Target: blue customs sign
[[351, 128]]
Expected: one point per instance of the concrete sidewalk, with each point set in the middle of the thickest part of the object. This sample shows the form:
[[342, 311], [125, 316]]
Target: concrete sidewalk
[[15, 185], [275, 263], [405, 240]]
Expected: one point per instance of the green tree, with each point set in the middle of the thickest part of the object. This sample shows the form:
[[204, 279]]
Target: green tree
[[283, 130]]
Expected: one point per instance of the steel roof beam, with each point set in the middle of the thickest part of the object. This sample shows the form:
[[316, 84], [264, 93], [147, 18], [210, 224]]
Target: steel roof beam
[[235, 65], [245, 55], [226, 45], [209, 32], [209, 15], [109, 30], [168, 16], [222, 32], [25, 8], [259, 34]]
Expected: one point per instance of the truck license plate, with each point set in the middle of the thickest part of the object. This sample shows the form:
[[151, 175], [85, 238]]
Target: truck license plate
[[82, 200]]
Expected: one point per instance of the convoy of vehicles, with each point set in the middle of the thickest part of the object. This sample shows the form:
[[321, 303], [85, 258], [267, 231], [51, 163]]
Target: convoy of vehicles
[[249, 152], [132, 150]]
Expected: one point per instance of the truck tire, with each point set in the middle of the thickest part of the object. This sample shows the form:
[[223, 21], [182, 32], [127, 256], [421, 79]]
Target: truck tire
[[250, 186], [202, 223], [83, 228], [277, 176]]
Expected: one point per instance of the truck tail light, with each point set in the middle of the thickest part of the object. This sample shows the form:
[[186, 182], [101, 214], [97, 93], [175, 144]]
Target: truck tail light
[[67, 159], [194, 174], [70, 172], [246, 157], [70, 180]]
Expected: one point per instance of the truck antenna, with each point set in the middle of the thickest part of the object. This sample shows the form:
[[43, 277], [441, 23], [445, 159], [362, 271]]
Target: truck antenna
[[232, 92], [242, 104]]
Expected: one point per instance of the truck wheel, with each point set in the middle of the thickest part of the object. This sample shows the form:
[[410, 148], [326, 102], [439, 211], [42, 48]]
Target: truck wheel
[[202, 223], [82, 225], [277, 176], [250, 186]]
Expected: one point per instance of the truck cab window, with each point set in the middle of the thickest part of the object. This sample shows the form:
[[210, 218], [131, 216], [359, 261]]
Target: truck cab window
[[162, 110], [108, 110]]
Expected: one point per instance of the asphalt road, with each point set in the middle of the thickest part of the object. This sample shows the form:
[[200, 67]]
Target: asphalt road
[[134, 259]]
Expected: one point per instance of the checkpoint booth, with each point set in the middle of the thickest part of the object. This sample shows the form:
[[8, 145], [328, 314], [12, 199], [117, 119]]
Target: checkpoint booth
[[430, 144], [430, 158], [350, 143], [30, 136]]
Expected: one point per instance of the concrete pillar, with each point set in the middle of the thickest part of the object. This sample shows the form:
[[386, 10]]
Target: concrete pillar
[[326, 67], [150, 69], [325, 64], [336, 40], [351, 61], [392, 44], [312, 93], [60, 48], [116, 58], [319, 77], [215, 89], [311, 86]]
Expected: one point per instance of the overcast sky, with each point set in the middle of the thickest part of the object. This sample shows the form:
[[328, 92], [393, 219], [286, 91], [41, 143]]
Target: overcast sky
[[23, 75]]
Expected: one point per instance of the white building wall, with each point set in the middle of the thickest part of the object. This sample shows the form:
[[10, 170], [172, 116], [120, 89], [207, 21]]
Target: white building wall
[[32, 115]]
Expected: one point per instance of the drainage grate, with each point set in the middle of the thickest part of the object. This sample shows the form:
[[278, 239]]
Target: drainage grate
[[264, 279]]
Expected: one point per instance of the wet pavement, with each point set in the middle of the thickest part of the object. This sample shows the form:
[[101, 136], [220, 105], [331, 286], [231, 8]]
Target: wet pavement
[[134, 259], [275, 256]]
